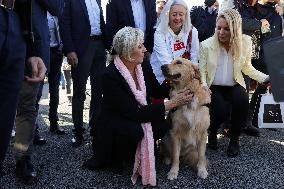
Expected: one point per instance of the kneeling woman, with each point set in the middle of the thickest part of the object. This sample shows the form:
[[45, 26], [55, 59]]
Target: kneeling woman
[[127, 120], [223, 59]]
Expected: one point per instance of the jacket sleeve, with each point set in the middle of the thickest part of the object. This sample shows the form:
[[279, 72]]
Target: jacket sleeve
[[153, 20], [249, 23], [203, 64], [202, 22], [247, 68], [194, 51], [194, 13], [23, 8], [65, 28], [160, 55], [124, 104], [154, 89], [54, 7], [112, 24]]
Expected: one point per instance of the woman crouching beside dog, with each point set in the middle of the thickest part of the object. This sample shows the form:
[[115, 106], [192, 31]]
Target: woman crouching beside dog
[[128, 126], [223, 58]]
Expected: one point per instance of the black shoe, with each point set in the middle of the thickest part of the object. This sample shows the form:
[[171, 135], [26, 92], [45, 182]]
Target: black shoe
[[233, 148], [250, 127], [38, 140], [251, 131], [25, 170], [54, 128], [212, 141], [77, 140], [92, 164]]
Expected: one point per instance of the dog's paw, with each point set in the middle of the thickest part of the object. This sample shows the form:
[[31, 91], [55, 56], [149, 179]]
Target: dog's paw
[[202, 173], [167, 160], [172, 174]]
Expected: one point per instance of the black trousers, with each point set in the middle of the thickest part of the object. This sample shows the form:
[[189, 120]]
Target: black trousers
[[12, 62], [114, 144], [237, 97], [56, 58], [92, 64]]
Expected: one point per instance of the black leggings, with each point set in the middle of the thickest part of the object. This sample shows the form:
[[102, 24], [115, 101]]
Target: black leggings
[[237, 97]]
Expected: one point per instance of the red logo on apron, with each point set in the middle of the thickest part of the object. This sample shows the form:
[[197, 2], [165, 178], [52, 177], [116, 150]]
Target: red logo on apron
[[178, 46]]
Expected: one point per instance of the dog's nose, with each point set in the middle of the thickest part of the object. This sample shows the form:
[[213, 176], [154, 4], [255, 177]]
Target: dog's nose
[[164, 68]]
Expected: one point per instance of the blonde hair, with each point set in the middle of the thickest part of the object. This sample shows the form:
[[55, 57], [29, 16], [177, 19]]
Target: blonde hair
[[124, 42], [234, 20]]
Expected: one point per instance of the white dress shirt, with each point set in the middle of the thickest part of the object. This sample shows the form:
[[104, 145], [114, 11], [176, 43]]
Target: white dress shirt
[[94, 17], [53, 30], [164, 51], [139, 14], [224, 75]]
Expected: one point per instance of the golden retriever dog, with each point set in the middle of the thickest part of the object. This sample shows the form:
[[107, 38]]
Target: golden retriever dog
[[186, 141]]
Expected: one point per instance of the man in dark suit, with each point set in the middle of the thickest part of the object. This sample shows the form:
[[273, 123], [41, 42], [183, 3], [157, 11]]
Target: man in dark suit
[[56, 59], [36, 28], [55, 8], [82, 32], [12, 58], [134, 13]]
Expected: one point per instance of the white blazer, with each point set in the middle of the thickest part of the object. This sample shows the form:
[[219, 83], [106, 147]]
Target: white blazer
[[209, 51]]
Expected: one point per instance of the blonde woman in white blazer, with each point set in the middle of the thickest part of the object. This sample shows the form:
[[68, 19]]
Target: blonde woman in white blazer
[[223, 58]]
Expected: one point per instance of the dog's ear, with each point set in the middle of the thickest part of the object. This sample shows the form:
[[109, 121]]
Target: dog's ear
[[196, 72]]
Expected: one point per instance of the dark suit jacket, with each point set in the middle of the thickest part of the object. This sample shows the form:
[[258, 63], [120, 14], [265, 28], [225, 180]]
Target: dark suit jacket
[[119, 14], [40, 45], [75, 27], [121, 112]]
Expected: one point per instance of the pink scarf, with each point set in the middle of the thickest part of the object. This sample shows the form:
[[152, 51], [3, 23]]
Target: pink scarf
[[144, 158]]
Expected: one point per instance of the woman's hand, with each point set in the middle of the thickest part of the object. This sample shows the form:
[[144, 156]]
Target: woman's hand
[[180, 99], [264, 23]]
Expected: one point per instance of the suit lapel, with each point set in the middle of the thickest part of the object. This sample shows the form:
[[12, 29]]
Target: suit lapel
[[129, 11], [84, 7]]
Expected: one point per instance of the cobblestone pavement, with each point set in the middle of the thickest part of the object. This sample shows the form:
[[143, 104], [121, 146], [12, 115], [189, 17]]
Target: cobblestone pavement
[[260, 164]]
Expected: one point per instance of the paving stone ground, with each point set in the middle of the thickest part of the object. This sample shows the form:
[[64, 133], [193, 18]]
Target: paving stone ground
[[260, 164]]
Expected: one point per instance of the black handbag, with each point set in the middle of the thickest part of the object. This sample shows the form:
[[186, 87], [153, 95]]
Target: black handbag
[[274, 59]]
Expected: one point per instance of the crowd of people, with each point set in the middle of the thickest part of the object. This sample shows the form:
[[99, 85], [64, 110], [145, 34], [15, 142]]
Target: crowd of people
[[122, 54]]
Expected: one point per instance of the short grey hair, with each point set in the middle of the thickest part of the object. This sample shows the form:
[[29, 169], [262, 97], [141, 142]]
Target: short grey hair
[[125, 41]]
